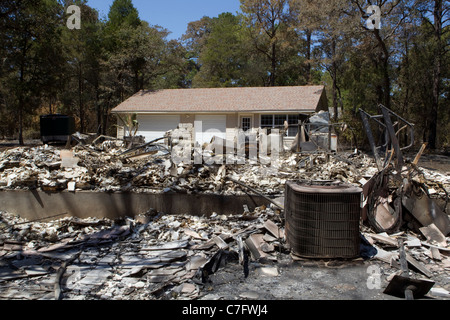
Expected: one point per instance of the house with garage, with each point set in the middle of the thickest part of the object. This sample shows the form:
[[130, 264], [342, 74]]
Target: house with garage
[[222, 111]]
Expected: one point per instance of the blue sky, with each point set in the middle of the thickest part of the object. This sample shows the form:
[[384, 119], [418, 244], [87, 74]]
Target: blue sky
[[173, 15]]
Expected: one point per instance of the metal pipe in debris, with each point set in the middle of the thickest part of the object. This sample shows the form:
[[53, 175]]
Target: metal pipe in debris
[[255, 191]]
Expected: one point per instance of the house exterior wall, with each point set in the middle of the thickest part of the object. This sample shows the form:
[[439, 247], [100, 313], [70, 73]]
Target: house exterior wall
[[232, 120], [232, 124], [187, 118], [297, 100]]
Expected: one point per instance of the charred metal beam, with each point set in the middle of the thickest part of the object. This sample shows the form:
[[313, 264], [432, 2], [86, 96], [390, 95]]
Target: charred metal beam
[[392, 136], [365, 120]]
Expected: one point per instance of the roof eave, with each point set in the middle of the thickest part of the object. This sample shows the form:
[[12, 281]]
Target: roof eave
[[214, 111]]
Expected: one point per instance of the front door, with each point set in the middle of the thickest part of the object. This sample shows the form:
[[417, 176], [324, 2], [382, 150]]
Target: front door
[[246, 123]]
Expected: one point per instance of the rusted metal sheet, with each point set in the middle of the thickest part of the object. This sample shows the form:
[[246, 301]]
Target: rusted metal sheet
[[425, 209]]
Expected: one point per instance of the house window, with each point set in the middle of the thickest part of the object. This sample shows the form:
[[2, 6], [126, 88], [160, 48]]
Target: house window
[[246, 123], [293, 120], [277, 121], [266, 121]]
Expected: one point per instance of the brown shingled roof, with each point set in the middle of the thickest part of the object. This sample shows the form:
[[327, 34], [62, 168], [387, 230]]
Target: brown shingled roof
[[255, 99]]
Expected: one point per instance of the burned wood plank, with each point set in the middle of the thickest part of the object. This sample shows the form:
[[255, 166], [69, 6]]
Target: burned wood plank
[[384, 238], [419, 266], [419, 154], [164, 275], [196, 262], [64, 244], [7, 274], [220, 242], [273, 229], [432, 233], [12, 246], [181, 244], [254, 245], [435, 254], [168, 257]]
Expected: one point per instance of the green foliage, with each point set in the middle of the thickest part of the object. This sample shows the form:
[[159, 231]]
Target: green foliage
[[47, 68], [31, 60], [122, 12], [222, 57]]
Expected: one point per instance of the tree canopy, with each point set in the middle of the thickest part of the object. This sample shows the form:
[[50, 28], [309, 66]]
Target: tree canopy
[[404, 64]]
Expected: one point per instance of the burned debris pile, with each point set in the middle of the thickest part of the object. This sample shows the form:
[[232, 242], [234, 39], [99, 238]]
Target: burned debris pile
[[400, 194], [110, 167], [404, 221], [154, 256]]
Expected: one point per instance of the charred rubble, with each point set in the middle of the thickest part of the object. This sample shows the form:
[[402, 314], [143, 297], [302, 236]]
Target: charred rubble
[[156, 255]]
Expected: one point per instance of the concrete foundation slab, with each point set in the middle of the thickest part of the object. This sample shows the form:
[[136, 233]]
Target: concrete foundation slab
[[34, 205]]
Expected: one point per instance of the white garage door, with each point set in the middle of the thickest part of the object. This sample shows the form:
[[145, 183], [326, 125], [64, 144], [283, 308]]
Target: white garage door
[[211, 125], [155, 126]]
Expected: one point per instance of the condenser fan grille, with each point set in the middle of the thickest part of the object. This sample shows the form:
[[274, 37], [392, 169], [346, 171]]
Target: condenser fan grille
[[323, 221]]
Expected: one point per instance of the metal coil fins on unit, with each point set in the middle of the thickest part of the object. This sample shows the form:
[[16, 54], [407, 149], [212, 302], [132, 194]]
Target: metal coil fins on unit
[[322, 220]]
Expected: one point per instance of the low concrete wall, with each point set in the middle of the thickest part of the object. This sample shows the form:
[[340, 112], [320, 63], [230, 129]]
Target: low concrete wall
[[37, 204]]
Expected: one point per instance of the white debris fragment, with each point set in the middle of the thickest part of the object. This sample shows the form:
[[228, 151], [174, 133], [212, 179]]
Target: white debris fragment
[[440, 292], [71, 185], [269, 271]]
